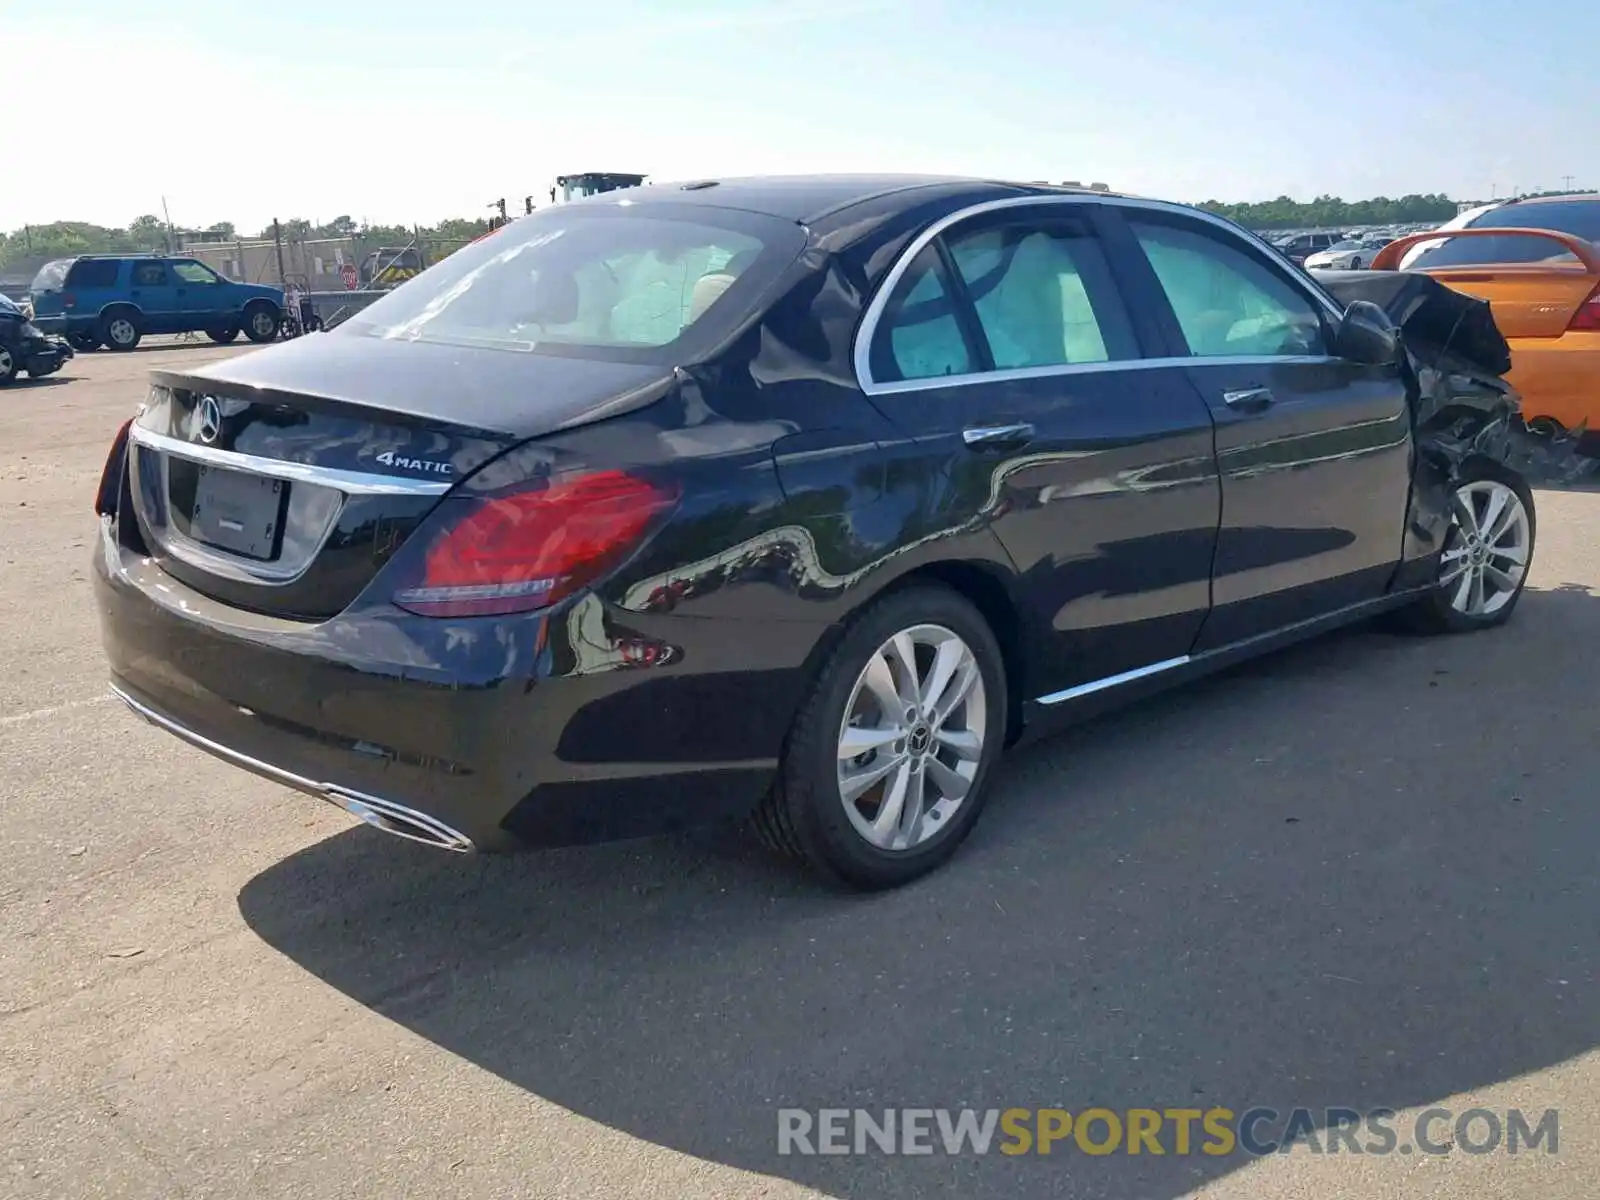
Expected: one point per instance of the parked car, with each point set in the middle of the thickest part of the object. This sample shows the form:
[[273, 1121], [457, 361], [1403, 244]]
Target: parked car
[[114, 300], [796, 500], [24, 349], [1352, 254], [1537, 262], [1299, 247]]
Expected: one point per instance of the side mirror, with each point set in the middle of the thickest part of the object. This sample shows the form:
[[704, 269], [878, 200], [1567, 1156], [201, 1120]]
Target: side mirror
[[1367, 335]]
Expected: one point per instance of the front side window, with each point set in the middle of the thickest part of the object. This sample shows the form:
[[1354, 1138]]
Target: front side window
[[149, 275], [1044, 295], [626, 285], [193, 272], [919, 335], [1227, 302]]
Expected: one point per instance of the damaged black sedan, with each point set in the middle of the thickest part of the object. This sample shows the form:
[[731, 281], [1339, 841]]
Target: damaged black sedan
[[793, 500]]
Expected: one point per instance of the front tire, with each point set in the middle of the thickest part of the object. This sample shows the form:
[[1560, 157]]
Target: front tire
[[261, 322], [888, 762], [9, 366], [1487, 554]]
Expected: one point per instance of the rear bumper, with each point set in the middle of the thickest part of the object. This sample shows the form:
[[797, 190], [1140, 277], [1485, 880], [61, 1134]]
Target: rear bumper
[[483, 734], [1558, 378]]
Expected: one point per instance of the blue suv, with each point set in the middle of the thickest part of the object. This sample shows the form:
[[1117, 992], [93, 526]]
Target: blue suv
[[114, 300]]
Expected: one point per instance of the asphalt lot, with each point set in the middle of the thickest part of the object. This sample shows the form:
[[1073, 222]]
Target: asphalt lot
[[1360, 873]]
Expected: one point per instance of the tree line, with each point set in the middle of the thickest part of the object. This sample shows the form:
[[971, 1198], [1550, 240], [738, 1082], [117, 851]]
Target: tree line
[[65, 239]]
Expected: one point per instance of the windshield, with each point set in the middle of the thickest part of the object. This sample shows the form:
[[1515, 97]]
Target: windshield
[[1578, 217], [607, 282]]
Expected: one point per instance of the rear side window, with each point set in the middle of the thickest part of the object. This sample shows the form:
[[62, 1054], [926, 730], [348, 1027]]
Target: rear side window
[[93, 273], [1044, 295], [51, 276], [919, 335], [1581, 218], [611, 282], [1227, 302]]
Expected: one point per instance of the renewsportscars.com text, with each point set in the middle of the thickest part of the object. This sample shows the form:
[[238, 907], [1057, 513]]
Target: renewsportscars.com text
[[1215, 1132]]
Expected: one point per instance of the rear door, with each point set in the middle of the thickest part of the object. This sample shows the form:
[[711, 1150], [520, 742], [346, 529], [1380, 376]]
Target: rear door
[[155, 291], [1006, 350], [1314, 451]]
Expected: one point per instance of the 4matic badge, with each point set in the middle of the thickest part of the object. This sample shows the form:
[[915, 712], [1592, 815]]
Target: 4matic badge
[[390, 459]]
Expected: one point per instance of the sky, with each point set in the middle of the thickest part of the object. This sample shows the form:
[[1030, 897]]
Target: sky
[[409, 113]]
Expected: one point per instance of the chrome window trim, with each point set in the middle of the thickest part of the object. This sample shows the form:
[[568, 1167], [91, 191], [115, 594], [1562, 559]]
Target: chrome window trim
[[352, 483], [861, 353], [1111, 681]]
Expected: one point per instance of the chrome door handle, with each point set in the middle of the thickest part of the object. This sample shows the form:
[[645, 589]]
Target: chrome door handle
[[997, 437], [1248, 399]]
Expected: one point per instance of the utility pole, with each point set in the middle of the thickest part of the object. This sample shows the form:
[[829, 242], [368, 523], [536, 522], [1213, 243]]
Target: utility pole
[[277, 243], [172, 238], [1566, 182]]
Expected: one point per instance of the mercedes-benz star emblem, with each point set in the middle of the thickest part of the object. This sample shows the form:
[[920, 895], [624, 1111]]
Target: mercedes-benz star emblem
[[210, 419]]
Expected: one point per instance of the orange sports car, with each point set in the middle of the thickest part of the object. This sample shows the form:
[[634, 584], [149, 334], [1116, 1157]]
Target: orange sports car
[[1543, 286]]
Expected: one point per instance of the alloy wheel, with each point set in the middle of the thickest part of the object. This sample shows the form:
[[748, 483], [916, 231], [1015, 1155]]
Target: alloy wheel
[[264, 323], [7, 364], [912, 737], [121, 331], [1486, 556]]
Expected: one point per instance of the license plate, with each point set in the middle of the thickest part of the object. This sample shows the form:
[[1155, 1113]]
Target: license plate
[[239, 513]]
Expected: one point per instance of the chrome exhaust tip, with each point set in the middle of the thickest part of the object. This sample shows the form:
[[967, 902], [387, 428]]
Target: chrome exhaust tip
[[394, 819]]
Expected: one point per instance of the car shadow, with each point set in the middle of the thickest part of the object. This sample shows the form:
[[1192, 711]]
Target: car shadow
[[1359, 873], [25, 383]]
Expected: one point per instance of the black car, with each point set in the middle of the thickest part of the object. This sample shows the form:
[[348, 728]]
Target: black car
[[24, 349], [788, 499], [1302, 245]]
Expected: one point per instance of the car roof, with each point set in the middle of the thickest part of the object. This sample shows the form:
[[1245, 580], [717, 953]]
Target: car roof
[[1569, 198], [806, 199]]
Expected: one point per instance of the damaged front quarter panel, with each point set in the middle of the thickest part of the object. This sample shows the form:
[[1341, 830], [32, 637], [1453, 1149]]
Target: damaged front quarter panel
[[1462, 409]]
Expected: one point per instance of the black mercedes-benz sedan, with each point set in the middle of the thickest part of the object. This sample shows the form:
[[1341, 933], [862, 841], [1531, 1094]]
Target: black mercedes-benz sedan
[[795, 500]]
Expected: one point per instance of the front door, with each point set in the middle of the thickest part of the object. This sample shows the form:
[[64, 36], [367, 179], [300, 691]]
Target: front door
[[201, 292], [155, 291], [1314, 451], [1007, 353]]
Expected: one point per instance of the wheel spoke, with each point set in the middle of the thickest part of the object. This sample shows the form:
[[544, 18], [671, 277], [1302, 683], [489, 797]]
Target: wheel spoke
[[951, 655], [905, 658], [964, 742], [957, 693], [950, 782], [1455, 572], [1491, 514], [854, 785], [1513, 552], [1452, 555], [911, 814], [1463, 591], [1475, 600], [856, 741], [879, 680], [887, 821], [1500, 578]]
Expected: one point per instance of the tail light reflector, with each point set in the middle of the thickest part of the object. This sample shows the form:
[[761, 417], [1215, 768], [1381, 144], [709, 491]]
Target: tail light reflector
[[1587, 318], [105, 499], [69, 301], [530, 549]]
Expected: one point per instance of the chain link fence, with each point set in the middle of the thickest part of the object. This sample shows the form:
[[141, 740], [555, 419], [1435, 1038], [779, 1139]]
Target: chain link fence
[[322, 264]]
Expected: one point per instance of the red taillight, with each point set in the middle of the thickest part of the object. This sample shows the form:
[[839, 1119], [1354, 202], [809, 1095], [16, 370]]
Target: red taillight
[[68, 300], [528, 550], [105, 500], [1587, 318]]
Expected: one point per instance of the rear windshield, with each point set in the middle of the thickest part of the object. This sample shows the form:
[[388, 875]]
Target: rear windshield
[[1578, 217], [52, 275], [656, 285]]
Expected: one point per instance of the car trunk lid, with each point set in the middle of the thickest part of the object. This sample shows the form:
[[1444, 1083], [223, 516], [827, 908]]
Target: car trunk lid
[[282, 481]]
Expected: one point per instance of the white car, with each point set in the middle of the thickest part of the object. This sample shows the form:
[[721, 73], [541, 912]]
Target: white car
[[1350, 255]]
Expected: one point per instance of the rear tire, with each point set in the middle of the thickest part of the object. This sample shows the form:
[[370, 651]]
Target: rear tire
[[1487, 555], [224, 336], [9, 366], [928, 761], [261, 321], [83, 342], [119, 330]]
